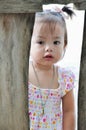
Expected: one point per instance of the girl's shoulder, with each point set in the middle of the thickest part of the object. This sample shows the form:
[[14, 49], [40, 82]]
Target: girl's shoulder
[[66, 79], [65, 73]]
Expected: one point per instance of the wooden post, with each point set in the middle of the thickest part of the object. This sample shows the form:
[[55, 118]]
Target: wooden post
[[82, 85], [15, 34]]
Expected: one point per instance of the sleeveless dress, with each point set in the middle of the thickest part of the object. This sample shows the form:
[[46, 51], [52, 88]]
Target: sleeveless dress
[[51, 98]]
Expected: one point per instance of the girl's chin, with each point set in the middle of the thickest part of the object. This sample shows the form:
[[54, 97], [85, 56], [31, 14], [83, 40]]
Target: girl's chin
[[44, 63], [48, 64]]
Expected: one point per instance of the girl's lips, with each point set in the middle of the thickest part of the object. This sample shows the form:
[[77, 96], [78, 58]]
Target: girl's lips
[[48, 57]]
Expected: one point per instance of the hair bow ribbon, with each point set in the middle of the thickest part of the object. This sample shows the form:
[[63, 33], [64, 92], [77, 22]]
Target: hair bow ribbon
[[55, 8]]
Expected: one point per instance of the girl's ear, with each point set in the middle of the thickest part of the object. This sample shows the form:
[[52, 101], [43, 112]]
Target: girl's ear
[[63, 53], [64, 49], [65, 43]]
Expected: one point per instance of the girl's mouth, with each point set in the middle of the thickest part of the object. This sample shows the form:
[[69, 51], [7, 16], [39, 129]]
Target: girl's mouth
[[48, 57]]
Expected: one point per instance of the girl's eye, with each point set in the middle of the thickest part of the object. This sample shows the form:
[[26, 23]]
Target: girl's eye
[[40, 42], [56, 42]]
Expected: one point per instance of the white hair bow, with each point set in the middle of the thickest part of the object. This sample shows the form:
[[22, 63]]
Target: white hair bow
[[56, 8]]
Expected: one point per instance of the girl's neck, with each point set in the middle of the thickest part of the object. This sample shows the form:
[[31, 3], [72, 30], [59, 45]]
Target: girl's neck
[[40, 67]]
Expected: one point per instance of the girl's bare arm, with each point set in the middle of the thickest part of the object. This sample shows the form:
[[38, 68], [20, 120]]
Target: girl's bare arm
[[68, 111]]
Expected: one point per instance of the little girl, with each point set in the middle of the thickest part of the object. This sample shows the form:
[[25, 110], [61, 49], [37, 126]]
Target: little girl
[[51, 101]]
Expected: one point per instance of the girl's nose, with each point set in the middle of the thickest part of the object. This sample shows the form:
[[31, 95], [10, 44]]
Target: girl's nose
[[48, 48]]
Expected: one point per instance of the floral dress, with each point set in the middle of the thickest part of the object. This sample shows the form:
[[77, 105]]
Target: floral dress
[[51, 118]]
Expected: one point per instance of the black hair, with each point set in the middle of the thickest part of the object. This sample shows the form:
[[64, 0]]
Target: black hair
[[68, 11]]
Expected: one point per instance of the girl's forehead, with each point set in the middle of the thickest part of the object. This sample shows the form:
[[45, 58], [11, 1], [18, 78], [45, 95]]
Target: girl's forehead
[[48, 27]]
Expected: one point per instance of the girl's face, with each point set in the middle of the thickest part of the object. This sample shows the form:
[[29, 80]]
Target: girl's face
[[47, 44]]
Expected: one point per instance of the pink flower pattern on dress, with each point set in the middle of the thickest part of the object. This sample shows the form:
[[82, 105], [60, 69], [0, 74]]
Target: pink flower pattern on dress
[[52, 117]]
